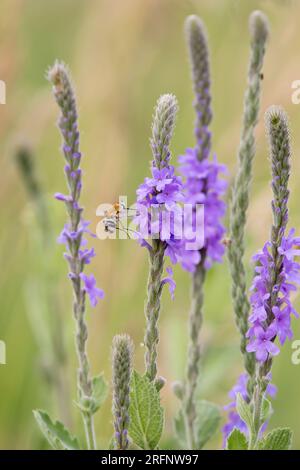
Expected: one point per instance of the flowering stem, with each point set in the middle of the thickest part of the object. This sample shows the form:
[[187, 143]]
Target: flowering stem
[[240, 191], [162, 130], [152, 310], [279, 139], [65, 98], [199, 59], [122, 351], [257, 398]]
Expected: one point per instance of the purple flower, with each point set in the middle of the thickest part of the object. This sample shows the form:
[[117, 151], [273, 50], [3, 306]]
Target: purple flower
[[268, 319], [282, 323], [203, 185], [234, 420], [91, 289], [262, 344], [160, 215], [86, 255], [169, 280]]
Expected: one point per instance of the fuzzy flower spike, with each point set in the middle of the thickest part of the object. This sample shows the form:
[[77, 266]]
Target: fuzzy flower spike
[[122, 351], [277, 271], [158, 201], [73, 233], [202, 185], [259, 31], [276, 275]]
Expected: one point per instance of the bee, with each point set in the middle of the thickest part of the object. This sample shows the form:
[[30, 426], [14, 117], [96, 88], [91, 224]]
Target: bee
[[226, 242], [112, 218]]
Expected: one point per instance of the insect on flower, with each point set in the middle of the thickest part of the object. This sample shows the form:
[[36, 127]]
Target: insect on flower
[[116, 218]]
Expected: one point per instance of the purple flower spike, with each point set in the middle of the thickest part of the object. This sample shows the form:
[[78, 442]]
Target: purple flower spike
[[159, 199], [72, 236], [267, 321], [204, 186]]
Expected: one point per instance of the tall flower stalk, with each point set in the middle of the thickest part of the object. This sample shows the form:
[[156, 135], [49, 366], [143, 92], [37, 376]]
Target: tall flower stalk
[[276, 276], [122, 351], [73, 237], [276, 270], [158, 200], [162, 130], [202, 186], [259, 32]]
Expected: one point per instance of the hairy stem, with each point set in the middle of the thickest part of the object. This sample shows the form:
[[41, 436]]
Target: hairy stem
[[240, 191], [152, 309]]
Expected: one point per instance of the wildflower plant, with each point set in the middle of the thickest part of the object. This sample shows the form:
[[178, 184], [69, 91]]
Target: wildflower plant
[[162, 227], [159, 198], [259, 31], [276, 276], [90, 391], [202, 185]]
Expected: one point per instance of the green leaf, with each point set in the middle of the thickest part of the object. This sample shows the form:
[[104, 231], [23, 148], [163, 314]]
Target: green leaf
[[266, 410], [278, 439], [146, 413], [244, 412], [55, 432], [237, 440], [91, 404], [206, 423], [100, 391]]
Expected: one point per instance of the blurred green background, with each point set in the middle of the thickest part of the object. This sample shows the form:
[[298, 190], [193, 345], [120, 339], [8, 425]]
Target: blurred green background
[[123, 55]]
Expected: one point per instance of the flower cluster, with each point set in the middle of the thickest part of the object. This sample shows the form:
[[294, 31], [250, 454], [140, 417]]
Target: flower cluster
[[160, 213], [68, 237], [161, 216], [72, 234], [204, 186], [234, 420], [272, 318]]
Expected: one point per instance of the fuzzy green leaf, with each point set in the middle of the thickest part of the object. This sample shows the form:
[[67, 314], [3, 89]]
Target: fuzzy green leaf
[[146, 413], [237, 440], [100, 391], [244, 412], [55, 432], [206, 423], [278, 439], [266, 410]]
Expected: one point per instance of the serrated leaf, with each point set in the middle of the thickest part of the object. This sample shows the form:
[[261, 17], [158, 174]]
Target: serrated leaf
[[278, 439], [244, 412], [237, 440], [100, 391], [206, 423], [55, 432], [146, 413], [266, 410]]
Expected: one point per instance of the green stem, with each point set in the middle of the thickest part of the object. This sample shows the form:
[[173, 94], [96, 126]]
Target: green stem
[[89, 431], [152, 309]]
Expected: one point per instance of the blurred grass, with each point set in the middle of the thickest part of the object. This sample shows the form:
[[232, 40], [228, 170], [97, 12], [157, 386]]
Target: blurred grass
[[123, 55]]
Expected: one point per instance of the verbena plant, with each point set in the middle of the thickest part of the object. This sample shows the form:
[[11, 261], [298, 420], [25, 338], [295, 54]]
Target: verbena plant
[[262, 317]]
